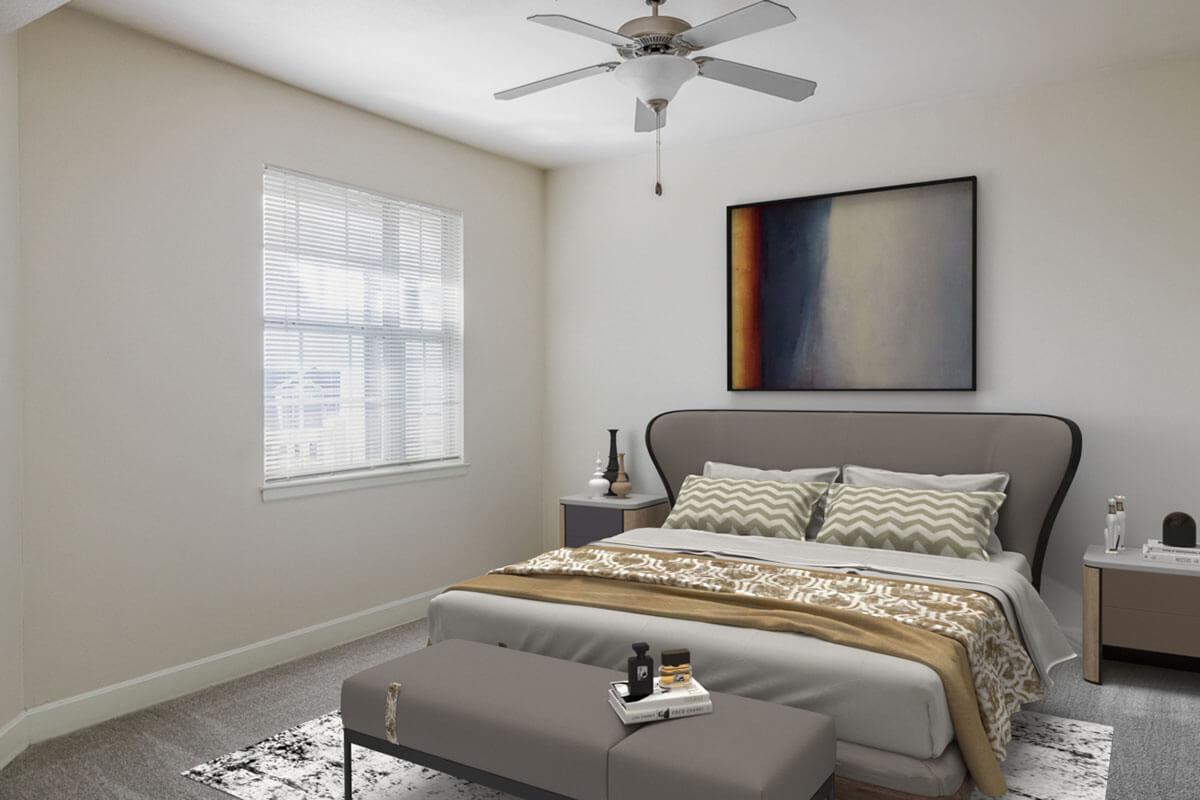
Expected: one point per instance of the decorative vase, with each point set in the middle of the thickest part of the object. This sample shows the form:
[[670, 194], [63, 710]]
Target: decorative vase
[[621, 486], [598, 486], [610, 472]]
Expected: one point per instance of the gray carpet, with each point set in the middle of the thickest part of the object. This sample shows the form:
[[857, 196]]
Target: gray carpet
[[1156, 714], [140, 756]]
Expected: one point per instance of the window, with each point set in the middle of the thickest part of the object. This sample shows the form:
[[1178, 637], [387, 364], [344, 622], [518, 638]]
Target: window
[[362, 335]]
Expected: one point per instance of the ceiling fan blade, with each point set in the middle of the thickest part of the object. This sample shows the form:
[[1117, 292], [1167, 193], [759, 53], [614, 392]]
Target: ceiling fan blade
[[751, 19], [572, 25], [556, 80], [647, 119], [760, 80]]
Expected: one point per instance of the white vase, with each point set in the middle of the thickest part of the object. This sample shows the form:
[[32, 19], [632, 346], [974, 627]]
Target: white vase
[[598, 485]]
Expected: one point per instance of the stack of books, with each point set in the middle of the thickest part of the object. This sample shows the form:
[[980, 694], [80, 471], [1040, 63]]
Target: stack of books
[[1155, 550], [683, 700]]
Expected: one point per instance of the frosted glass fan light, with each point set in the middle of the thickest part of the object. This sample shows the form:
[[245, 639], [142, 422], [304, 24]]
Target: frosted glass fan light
[[656, 77]]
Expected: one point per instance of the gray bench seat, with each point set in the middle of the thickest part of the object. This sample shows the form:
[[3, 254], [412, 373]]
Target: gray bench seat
[[541, 728]]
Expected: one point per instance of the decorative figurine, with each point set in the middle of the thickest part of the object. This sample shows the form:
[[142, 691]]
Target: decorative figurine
[[610, 473], [598, 486], [1179, 530], [621, 486]]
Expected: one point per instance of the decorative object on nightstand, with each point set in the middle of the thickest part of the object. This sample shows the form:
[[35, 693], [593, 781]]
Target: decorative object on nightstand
[[1120, 522], [1112, 535], [1139, 609], [621, 486], [610, 473], [1179, 530], [598, 486], [583, 520]]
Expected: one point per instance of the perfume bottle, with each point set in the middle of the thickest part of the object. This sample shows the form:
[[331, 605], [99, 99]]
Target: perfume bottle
[[676, 669], [1120, 522], [641, 673]]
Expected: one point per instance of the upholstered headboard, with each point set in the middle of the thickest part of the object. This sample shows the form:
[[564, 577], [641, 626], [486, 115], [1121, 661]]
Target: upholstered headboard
[[1041, 452]]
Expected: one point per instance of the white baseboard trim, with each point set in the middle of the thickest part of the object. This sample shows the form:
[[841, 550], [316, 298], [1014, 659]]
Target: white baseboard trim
[[14, 738], [73, 713]]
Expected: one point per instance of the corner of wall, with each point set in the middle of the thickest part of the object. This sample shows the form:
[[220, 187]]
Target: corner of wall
[[548, 535], [13, 730]]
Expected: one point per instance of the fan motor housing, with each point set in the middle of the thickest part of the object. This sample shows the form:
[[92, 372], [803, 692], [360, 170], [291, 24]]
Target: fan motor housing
[[645, 27]]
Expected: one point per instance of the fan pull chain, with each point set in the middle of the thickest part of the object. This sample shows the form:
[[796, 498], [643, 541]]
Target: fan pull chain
[[658, 155]]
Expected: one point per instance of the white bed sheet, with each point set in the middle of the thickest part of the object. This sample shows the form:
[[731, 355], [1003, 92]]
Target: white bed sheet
[[877, 700]]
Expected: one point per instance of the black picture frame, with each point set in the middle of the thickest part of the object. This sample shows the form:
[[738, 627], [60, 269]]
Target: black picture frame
[[729, 343]]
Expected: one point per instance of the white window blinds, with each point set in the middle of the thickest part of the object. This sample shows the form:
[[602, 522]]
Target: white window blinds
[[362, 329]]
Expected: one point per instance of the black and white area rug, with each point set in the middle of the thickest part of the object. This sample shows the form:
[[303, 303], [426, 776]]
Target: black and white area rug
[[1049, 758]]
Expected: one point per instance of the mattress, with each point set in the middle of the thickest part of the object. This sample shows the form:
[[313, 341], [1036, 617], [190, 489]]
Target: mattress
[[878, 701]]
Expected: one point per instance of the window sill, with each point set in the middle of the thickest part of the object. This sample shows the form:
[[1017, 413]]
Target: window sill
[[364, 479]]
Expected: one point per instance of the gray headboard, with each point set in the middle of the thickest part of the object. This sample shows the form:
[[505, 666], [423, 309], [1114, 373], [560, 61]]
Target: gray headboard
[[1041, 453]]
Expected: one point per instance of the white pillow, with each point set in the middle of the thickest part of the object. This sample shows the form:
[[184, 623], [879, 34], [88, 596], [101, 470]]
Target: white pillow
[[854, 475], [716, 469]]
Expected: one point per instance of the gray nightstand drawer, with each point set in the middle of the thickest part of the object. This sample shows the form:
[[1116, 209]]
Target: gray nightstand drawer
[[583, 520], [585, 524]]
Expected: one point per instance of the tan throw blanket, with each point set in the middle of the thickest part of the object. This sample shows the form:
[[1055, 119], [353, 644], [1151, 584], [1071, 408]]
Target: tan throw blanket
[[961, 635]]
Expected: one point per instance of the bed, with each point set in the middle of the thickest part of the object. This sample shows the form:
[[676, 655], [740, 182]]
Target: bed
[[896, 735]]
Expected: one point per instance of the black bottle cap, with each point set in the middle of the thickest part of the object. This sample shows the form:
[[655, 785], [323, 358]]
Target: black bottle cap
[[673, 658], [640, 648]]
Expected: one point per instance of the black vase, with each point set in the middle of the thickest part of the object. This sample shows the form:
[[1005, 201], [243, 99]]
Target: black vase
[[610, 474]]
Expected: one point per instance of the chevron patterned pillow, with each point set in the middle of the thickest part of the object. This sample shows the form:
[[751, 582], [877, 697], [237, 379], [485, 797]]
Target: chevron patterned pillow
[[914, 520], [747, 507]]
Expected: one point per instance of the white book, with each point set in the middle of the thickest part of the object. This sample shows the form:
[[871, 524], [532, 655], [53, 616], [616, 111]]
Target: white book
[[680, 694], [632, 715], [686, 700], [1172, 558], [1156, 546]]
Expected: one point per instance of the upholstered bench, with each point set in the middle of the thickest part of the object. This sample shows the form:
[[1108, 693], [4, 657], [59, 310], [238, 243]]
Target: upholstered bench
[[541, 728]]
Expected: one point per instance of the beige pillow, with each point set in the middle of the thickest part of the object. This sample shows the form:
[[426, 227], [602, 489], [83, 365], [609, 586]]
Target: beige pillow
[[976, 482], [746, 507], [913, 520]]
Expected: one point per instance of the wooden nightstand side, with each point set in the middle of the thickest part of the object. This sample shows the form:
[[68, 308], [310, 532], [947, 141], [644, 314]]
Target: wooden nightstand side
[[1091, 624], [1138, 609], [583, 519]]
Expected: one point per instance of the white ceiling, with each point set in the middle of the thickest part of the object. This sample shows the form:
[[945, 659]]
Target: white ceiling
[[19, 13], [435, 63]]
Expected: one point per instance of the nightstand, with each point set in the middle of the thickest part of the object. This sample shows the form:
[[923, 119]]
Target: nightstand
[[583, 519], [1134, 608]]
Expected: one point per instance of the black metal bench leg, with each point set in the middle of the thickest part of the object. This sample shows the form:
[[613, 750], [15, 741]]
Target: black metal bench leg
[[347, 781]]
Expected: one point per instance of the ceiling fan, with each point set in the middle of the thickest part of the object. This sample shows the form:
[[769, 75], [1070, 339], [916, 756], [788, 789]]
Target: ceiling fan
[[656, 54]]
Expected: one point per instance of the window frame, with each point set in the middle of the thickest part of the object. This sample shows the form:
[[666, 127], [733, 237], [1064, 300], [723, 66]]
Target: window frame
[[383, 474]]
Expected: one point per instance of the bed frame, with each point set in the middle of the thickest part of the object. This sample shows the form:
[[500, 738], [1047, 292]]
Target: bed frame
[[1040, 452]]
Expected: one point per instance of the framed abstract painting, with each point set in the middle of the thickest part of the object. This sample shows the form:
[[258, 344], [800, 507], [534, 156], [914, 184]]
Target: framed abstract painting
[[869, 290]]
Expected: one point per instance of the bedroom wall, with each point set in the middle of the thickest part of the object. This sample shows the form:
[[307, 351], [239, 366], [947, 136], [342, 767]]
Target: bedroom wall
[[1088, 283], [12, 700], [148, 544]]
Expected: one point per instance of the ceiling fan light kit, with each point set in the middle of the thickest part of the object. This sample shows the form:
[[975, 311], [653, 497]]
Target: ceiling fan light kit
[[656, 77], [656, 62]]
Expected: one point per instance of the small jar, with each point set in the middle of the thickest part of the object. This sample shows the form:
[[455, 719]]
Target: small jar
[[675, 669]]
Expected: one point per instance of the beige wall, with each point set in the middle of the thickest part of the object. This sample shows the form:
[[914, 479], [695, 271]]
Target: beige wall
[[148, 543], [11, 692], [1089, 287]]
